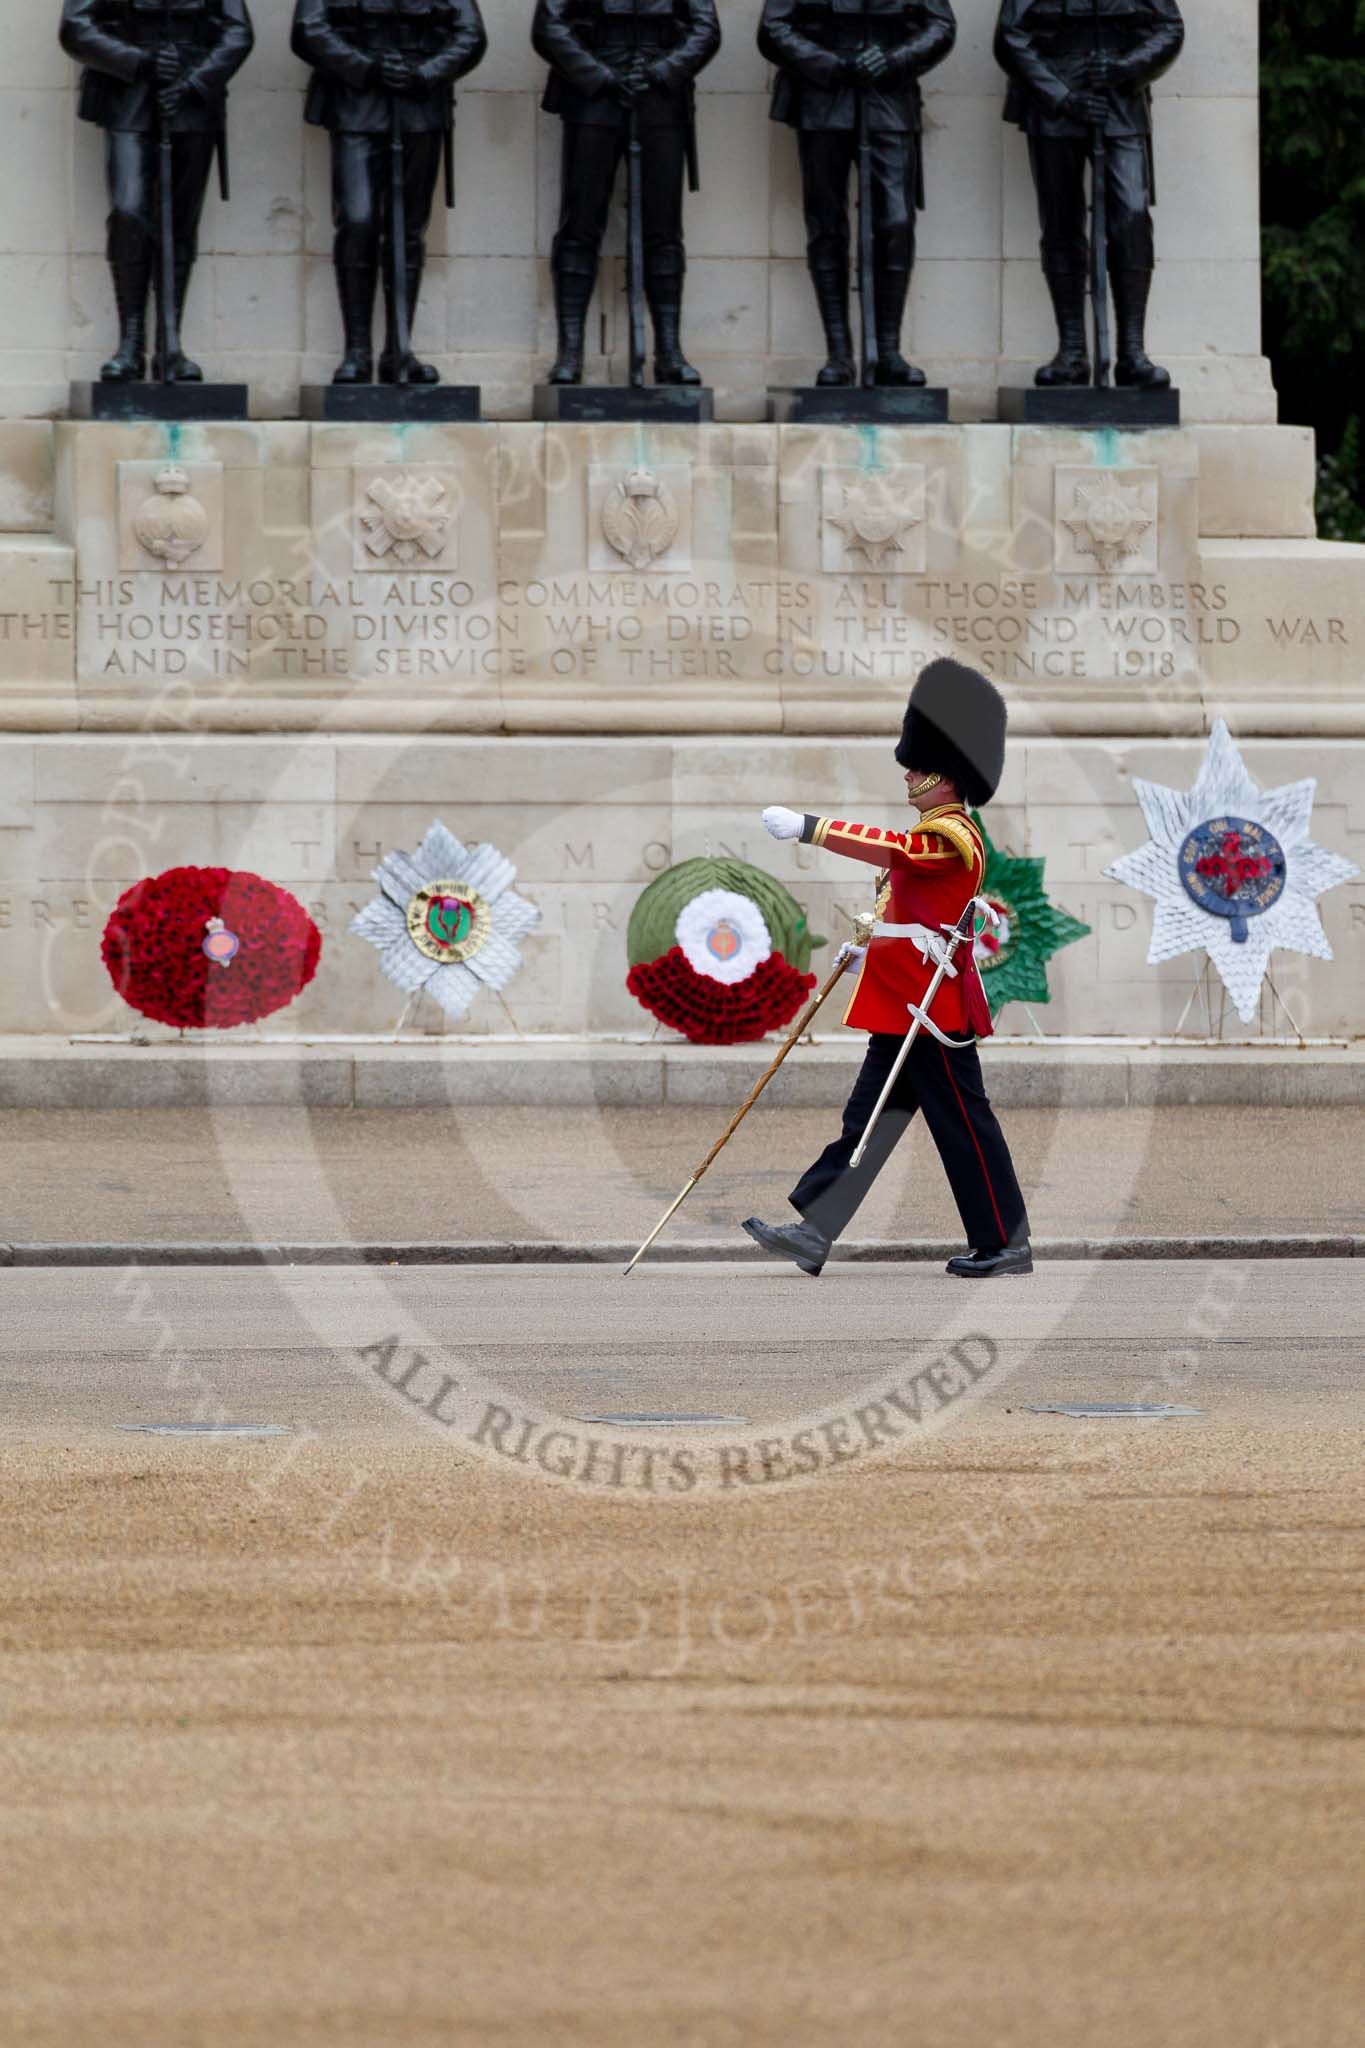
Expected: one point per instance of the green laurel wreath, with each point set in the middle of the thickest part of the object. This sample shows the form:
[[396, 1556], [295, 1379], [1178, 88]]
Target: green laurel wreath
[[654, 919]]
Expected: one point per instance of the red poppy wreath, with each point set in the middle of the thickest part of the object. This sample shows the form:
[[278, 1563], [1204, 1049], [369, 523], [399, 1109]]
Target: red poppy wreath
[[209, 947]]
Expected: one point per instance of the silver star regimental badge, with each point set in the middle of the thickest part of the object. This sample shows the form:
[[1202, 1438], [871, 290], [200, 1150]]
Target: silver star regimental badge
[[1233, 871], [447, 920]]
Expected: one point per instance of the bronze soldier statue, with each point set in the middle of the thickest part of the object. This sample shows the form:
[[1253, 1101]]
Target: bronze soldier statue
[[155, 70], [848, 82], [1080, 76], [383, 78], [623, 69]]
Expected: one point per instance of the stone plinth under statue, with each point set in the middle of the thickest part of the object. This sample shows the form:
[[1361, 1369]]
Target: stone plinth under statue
[[391, 404], [588, 404], [1089, 406], [173, 402], [887, 405]]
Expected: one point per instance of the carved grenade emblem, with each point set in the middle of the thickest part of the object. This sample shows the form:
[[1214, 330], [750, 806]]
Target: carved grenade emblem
[[171, 524], [640, 518]]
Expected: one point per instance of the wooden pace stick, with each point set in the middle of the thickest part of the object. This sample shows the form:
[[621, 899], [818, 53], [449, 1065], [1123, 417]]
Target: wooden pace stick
[[721, 1142]]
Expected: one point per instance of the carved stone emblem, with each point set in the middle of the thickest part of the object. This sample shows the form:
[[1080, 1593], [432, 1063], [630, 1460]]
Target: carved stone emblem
[[1108, 521], [407, 517], [171, 524], [640, 518], [874, 518]]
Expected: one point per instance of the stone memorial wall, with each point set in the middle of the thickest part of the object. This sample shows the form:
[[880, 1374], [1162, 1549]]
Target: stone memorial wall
[[289, 646]]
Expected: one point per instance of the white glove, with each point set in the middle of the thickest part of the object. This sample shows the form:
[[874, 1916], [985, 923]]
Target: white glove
[[781, 823], [850, 956]]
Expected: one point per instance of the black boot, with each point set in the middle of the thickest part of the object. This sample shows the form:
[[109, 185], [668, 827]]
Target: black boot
[[665, 310], [132, 275], [573, 296], [831, 296], [180, 370], [893, 289], [355, 288], [800, 1241], [1005, 1262], [417, 372], [1071, 364], [1132, 364]]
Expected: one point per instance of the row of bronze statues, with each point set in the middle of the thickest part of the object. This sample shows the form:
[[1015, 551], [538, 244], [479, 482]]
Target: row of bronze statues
[[622, 78]]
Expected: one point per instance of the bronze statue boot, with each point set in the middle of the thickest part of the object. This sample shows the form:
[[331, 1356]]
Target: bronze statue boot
[[128, 364], [355, 289], [180, 369], [893, 289], [1132, 364], [831, 296], [417, 372], [892, 368], [573, 296], [665, 310], [1071, 364]]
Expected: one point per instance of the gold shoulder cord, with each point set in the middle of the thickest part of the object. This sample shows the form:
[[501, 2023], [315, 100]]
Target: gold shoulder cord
[[959, 833]]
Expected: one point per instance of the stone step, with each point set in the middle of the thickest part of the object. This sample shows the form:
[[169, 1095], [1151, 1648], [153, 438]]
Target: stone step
[[52, 1073]]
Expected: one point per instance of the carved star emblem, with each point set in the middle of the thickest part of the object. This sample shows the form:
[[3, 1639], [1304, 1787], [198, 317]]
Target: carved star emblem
[[1280, 908], [406, 517], [874, 518], [1108, 521]]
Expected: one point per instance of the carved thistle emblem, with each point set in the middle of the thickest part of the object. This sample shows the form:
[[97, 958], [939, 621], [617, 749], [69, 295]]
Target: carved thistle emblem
[[640, 518], [407, 517], [874, 518], [171, 524], [1107, 521]]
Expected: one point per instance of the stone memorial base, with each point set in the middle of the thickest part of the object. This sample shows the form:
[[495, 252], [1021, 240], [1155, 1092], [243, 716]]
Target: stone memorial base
[[425, 404], [588, 404], [287, 646], [1088, 405], [857, 406], [128, 402]]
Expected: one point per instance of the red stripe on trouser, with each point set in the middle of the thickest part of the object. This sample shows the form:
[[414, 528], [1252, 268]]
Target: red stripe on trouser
[[979, 1153]]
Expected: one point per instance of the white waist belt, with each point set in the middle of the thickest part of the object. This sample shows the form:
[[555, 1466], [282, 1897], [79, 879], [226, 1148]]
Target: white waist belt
[[932, 945]]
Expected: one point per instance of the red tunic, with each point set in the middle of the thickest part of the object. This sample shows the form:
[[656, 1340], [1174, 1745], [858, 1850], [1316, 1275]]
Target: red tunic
[[931, 874]]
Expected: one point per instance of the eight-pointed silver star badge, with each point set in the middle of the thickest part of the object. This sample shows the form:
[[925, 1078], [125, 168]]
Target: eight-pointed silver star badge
[[447, 921], [1233, 871]]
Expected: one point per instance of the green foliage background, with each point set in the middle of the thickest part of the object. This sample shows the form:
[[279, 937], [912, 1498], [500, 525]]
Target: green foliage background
[[1313, 237]]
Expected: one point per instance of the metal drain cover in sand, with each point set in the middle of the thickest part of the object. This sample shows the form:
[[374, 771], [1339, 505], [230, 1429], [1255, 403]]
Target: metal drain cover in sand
[[1136, 1411], [668, 1421], [204, 1428]]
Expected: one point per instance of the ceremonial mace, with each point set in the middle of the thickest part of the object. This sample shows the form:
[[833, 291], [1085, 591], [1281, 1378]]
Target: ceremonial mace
[[862, 929]]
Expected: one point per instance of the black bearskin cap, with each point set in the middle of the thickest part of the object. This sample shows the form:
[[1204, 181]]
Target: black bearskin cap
[[955, 726]]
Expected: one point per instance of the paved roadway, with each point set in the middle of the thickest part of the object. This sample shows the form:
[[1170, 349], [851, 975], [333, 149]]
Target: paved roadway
[[326, 1349]]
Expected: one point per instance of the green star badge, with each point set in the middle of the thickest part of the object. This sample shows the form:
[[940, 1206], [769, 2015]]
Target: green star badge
[[1013, 955]]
